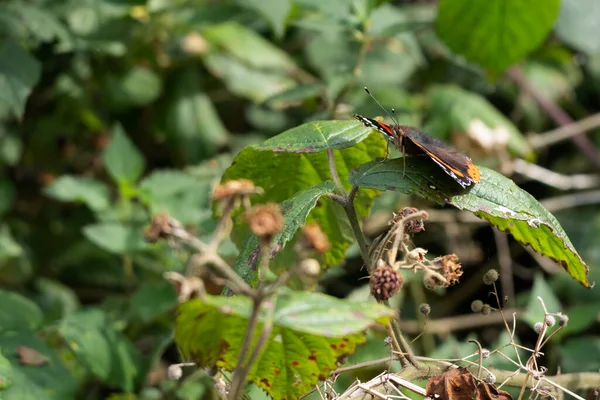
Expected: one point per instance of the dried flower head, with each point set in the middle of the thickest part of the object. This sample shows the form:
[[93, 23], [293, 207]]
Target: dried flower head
[[237, 187], [265, 220], [476, 306], [416, 255], [310, 267], [549, 320], [490, 277], [431, 280], [425, 309], [314, 238], [163, 226], [412, 226], [486, 310], [452, 268], [538, 327], [563, 320], [385, 282]]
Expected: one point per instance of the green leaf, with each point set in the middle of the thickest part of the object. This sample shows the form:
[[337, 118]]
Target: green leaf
[[275, 12], [577, 24], [7, 195], [453, 110], [495, 33], [44, 25], [19, 73], [580, 354], [289, 97], [122, 159], [115, 237], [18, 313], [50, 381], [9, 247], [152, 300], [316, 136], [138, 87], [101, 349], [295, 211], [191, 119], [185, 197], [496, 199], [310, 332], [282, 175], [91, 192], [247, 46], [534, 312], [6, 373], [390, 60], [56, 299], [247, 81]]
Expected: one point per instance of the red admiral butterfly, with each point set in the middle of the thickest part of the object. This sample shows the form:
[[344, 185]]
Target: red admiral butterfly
[[411, 141]]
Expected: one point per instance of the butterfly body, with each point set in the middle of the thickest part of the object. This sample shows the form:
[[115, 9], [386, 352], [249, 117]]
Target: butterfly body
[[411, 141]]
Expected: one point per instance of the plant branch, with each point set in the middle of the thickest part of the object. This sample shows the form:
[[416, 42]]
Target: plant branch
[[557, 114], [539, 140]]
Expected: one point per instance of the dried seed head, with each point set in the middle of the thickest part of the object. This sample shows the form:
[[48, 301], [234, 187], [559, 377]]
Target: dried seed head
[[163, 226], [431, 280], [485, 353], [549, 320], [490, 378], [486, 310], [412, 226], [476, 306], [314, 238], [237, 187], [538, 327], [265, 220], [490, 277], [385, 282], [174, 372], [452, 268], [416, 255], [563, 320], [425, 309], [310, 267]]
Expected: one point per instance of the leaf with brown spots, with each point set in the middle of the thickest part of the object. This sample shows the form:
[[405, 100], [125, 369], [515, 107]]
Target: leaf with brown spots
[[310, 332]]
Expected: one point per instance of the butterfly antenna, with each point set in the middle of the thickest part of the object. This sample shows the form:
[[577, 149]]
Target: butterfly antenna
[[382, 107]]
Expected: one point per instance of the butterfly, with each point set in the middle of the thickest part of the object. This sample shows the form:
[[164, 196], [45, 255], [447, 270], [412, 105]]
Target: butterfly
[[411, 141]]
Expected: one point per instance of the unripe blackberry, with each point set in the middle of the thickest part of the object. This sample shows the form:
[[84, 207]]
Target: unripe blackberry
[[385, 282]]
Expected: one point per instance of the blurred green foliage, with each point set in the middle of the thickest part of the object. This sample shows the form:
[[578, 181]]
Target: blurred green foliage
[[112, 111]]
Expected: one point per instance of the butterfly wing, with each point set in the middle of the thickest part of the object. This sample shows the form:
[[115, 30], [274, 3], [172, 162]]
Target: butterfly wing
[[387, 130], [456, 165]]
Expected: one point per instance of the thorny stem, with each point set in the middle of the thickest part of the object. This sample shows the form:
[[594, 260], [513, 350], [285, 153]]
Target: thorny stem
[[347, 203], [242, 371], [211, 256], [239, 376], [334, 174], [396, 346], [405, 345]]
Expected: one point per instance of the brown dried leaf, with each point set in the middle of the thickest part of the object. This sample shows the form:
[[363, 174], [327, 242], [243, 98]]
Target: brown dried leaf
[[460, 384], [29, 356], [454, 384], [485, 391]]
